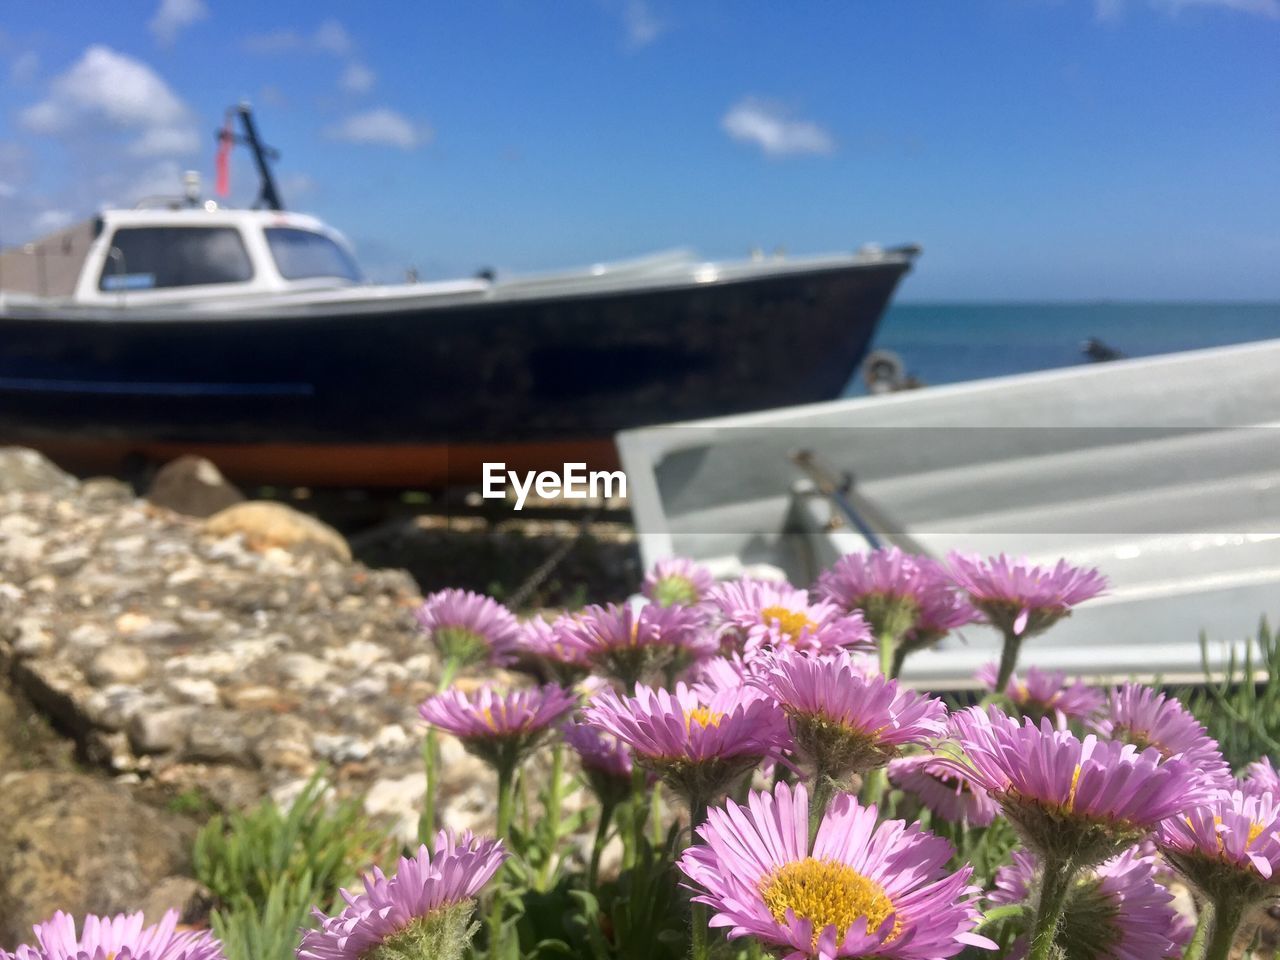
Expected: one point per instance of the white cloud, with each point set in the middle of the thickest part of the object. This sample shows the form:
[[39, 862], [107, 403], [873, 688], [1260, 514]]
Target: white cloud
[[107, 87], [166, 142], [1113, 9], [357, 78], [771, 127], [277, 41], [7, 190], [24, 68], [332, 37], [50, 220], [381, 126], [174, 16], [642, 26]]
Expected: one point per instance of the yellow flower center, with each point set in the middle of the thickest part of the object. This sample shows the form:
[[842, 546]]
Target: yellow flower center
[[1075, 782], [1255, 830], [702, 716], [791, 623], [827, 893]]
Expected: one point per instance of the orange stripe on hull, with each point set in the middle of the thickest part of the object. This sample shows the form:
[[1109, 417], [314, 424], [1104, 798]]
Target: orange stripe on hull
[[339, 465]]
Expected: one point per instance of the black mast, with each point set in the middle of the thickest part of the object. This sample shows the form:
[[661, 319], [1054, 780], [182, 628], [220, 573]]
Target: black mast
[[269, 196]]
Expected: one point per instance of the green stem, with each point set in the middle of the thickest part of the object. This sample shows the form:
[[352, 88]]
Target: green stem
[[633, 835], [1195, 949], [899, 658], [506, 799], [887, 644], [824, 789], [506, 810], [997, 914], [431, 762], [597, 848], [1008, 660], [699, 942], [655, 814], [1054, 887], [1223, 927], [551, 813], [874, 784]]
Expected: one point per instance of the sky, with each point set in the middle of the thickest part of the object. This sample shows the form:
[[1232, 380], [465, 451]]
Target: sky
[[1036, 149]]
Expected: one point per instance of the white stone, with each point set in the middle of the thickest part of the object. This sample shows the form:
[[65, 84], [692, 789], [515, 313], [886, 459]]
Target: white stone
[[118, 664], [303, 670], [358, 654], [215, 663], [31, 638], [399, 799], [195, 690]]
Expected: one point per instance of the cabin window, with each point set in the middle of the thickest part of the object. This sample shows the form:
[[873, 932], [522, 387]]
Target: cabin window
[[152, 258], [304, 254]]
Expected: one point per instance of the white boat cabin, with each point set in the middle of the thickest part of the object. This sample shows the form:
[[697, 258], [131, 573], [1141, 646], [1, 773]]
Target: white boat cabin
[[168, 255]]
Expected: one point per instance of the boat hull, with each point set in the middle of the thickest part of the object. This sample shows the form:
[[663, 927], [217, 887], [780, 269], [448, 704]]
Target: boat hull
[[413, 396]]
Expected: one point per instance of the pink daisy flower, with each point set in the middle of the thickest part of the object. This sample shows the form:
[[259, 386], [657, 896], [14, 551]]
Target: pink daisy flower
[[1072, 800], [1118, 911], [1260, 777], [423, 910], [700, 746], [1229, 845], [124, 936], [469, 628], [630, 644], [843, 720], [760, 615], [716, 674], [605, 759], [861, 889], [888, 586], [1044, 693], [677, 581], [1019, 598], [942, 609], [499, 728], [1142, 716], [908, 600], [554, 647], [1015, 881], [1228, 848], [944, 790]]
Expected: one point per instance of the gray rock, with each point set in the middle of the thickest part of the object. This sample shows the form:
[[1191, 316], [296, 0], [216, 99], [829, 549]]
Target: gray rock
[[218, 736], [25, 471], [193, 486], [161, 731], [65, 562], [71, 842]]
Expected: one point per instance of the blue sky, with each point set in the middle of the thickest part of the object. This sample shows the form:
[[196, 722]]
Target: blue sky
[[1038, 149]]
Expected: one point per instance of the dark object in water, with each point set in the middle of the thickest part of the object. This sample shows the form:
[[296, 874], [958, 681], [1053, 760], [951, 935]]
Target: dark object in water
[[884, 372], [1099, 352]]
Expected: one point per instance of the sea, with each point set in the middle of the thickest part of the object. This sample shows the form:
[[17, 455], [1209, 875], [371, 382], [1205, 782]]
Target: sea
[[951, 342]]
